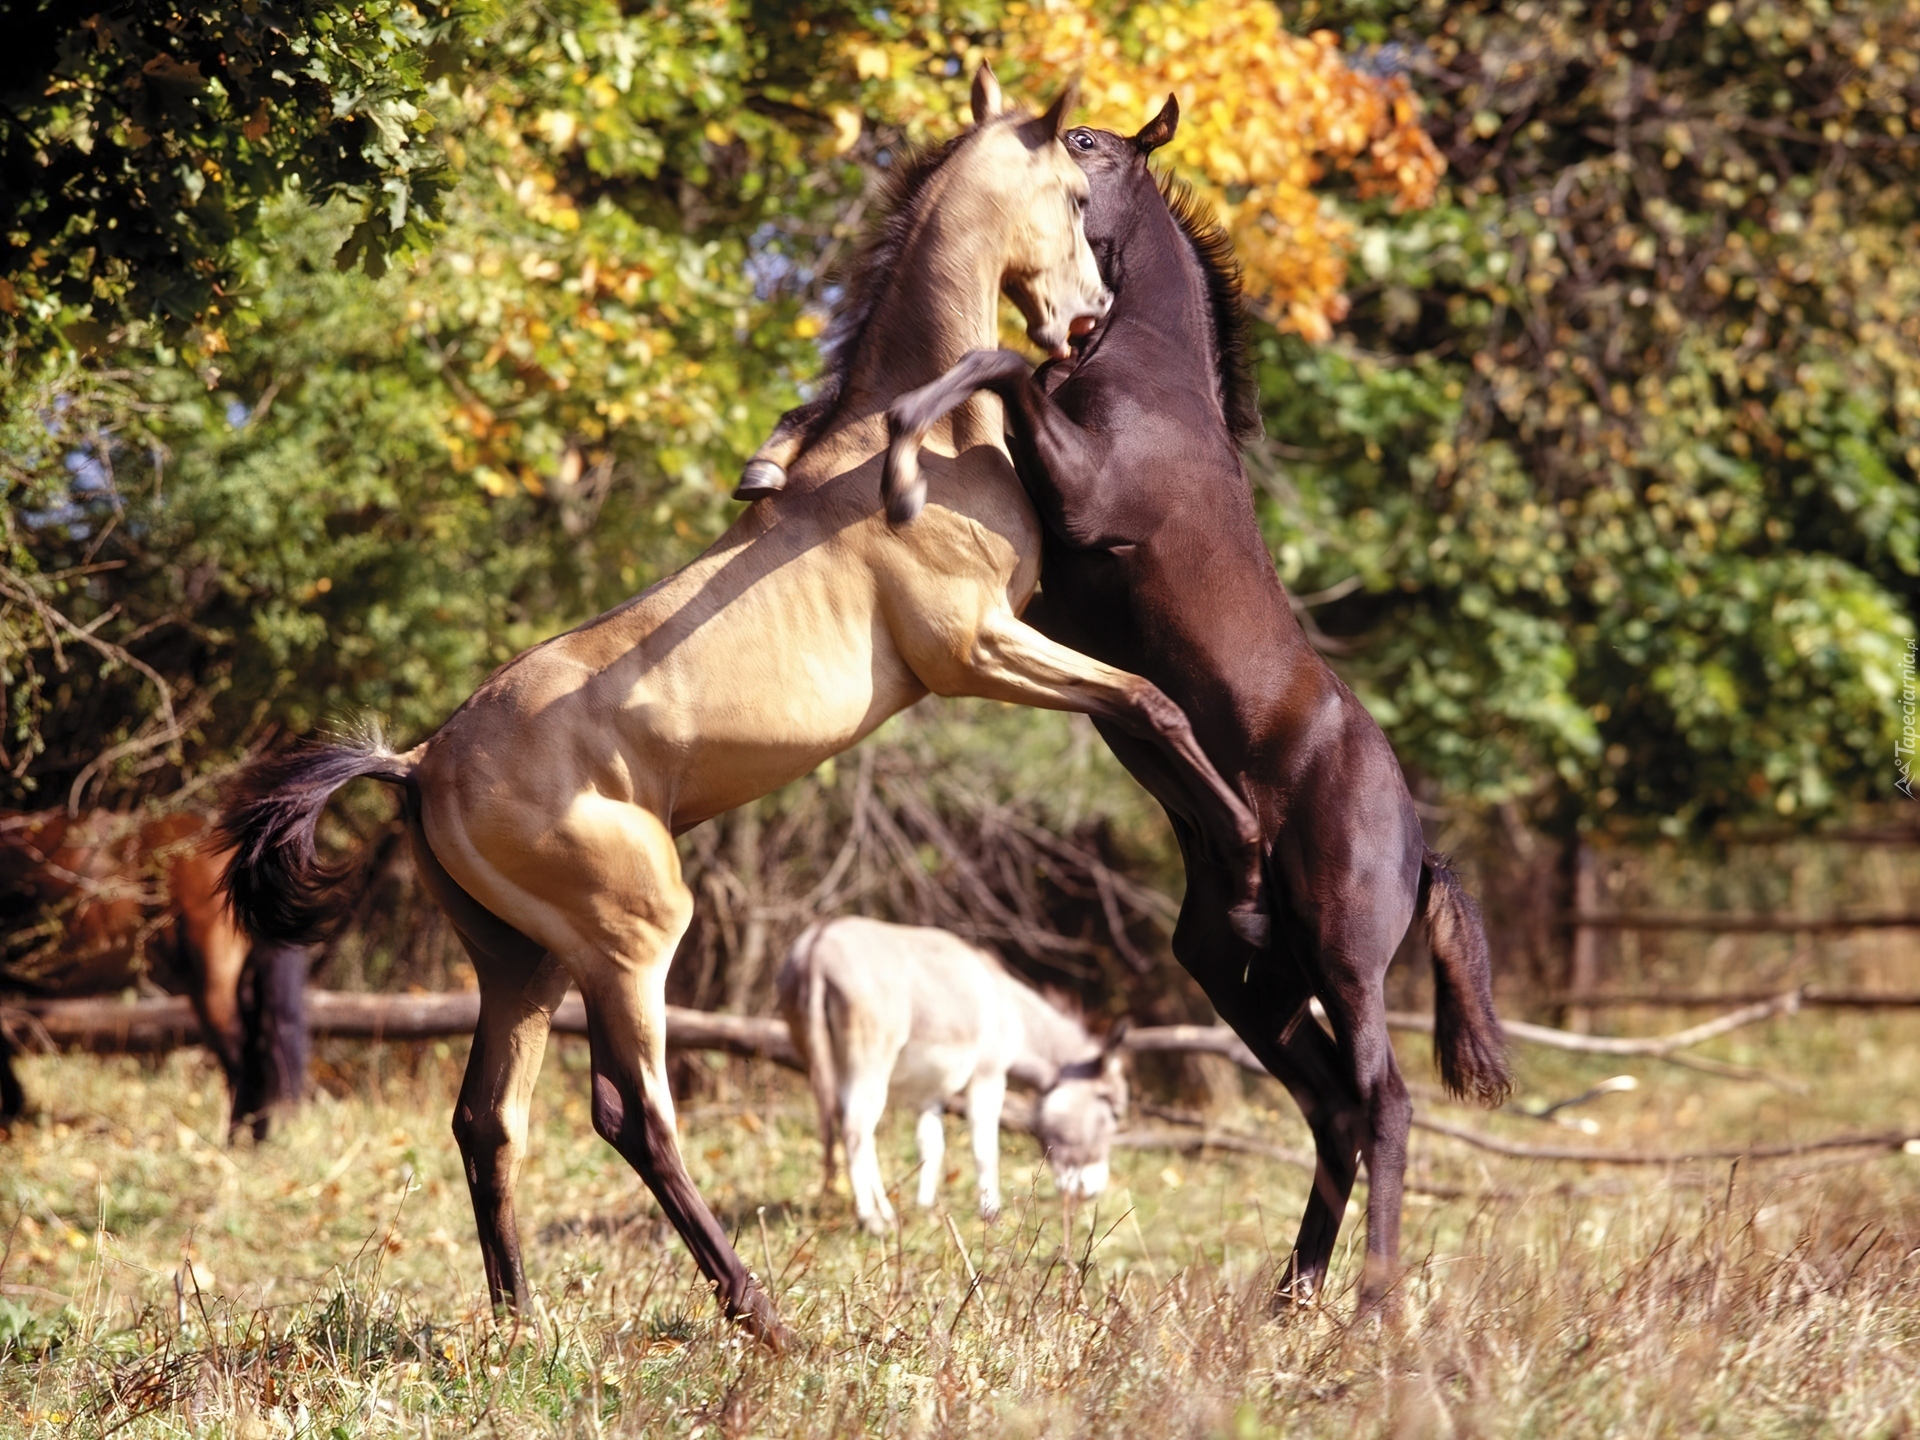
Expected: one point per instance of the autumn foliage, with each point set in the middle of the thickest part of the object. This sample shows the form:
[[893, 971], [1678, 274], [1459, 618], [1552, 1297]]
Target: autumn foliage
[[1265, 117]]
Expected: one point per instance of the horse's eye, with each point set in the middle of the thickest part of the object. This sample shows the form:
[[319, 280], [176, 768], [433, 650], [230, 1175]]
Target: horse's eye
[[1080, 139]]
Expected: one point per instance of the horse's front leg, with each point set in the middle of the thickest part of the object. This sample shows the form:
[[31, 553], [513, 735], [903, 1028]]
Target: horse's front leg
[[1011, 661], [1059, 461], [765, 472]]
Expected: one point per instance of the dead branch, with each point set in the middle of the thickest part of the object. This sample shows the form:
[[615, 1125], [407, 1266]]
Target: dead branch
[[1810, 995], [1658, 1047], [1741, 924], [1908, 1140]]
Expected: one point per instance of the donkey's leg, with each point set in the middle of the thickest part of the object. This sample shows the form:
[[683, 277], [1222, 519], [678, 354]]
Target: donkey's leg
[[863, 1101], [1012, 661], [518, 994], [931, 1134], [985, 1098]]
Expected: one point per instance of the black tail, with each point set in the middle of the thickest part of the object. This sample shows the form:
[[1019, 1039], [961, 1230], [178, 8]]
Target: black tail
[[278, 885], [1468, 1043]]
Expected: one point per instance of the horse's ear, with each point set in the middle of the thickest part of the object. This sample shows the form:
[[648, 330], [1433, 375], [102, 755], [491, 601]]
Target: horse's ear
[[986, 94], [1159, 130], [1054, 122]]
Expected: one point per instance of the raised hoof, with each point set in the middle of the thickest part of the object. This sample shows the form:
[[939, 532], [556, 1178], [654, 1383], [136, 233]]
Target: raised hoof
[[759, 478], [1251, 923], [905, 507]]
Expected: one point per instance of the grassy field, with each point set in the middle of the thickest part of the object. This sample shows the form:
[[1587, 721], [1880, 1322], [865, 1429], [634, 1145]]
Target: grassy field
[[327, 1284]]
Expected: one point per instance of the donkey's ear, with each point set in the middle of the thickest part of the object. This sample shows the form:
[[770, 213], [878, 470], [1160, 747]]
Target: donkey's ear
[[986, 94], [1159, 130], [1054, 122], [1116, 1037]]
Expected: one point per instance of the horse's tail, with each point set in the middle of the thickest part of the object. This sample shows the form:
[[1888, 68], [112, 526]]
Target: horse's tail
[[279, 887], [1468, 1044], [822, 1074]]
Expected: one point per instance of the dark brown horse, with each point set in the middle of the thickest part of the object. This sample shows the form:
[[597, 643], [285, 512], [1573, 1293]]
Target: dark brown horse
[[1153, 560], [99, 902]]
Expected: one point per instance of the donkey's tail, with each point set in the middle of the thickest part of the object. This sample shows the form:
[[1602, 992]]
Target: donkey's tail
[[1468, 1043], [279, 887], [822, 1074]]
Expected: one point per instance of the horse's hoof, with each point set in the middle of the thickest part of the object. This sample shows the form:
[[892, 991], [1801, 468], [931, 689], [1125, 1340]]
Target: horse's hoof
[[1251, 923], [760, 478], [905, 507], [755, 1314]]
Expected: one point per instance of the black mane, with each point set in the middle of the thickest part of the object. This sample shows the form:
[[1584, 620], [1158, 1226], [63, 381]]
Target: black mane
[[1239, 395]]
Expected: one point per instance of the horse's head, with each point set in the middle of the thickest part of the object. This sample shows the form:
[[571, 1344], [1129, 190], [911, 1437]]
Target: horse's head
[[1119, 182], [1047, 268], [1079, 1118]]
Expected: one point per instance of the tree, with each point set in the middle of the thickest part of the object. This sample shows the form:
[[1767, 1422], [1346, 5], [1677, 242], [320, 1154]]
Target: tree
[[1610, 479], [374, 488], [139, 141]]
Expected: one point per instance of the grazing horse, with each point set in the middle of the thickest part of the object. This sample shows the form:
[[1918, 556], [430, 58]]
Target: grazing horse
[[1153, 560], [543, 812], [915, 1014], [94, 903]]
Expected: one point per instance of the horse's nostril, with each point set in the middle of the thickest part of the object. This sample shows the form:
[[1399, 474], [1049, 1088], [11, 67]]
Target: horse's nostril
[[1082, 325]]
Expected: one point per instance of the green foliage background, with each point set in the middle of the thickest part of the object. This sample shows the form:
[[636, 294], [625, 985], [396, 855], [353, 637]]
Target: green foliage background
[[1607, 490]]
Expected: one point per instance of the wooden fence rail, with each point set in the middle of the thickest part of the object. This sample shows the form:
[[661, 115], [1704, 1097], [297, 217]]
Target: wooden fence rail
[[117, 1026], [112, 1025]]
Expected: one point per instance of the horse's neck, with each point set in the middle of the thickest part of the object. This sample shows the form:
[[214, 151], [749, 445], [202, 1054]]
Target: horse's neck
[[1051, 1039], [943, 301], [1161, 300]]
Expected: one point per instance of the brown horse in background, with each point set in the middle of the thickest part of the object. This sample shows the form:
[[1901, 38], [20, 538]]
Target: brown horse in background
[[103, 901]]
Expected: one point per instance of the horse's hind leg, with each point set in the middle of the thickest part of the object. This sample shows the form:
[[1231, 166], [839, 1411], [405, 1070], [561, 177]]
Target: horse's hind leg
[[1368, 900], [629, 919], [518, 994], [1272, 1018], [273, 1073], [13, 1100]]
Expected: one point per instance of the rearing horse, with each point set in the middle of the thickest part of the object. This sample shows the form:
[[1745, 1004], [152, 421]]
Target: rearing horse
[[1153, 559], [543, 812]]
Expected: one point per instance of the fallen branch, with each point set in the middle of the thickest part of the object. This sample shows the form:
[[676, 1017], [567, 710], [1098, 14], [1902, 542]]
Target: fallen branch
[[113, 1026], [1741, 924], [1908, 1141], [1659, 1046], [1810, 996]]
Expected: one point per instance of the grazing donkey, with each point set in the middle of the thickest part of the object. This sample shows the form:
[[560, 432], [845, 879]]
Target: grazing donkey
[[543, 813], [1153, 559], [93, 903], [915, 1015]]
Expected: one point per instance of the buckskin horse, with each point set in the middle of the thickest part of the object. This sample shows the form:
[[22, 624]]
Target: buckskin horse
[[97, 902], [1153, 560], [542, 814]]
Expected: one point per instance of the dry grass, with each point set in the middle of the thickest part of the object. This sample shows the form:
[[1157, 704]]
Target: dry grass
[[329, 1284]]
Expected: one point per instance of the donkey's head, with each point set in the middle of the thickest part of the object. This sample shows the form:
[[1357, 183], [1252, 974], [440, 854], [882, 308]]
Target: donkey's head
[[1047, 268], [1081, 1115]]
